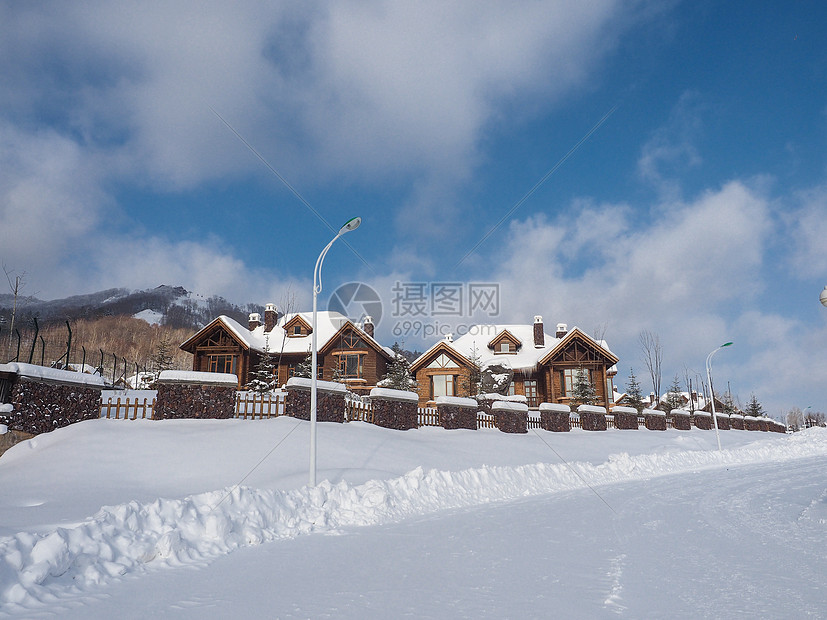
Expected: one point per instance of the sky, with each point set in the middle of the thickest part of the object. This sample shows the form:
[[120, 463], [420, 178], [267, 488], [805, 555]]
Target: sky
[[618, 166]]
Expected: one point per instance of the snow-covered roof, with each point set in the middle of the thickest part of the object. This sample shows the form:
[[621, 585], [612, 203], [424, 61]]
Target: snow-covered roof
[[328, 324], [478, 337]]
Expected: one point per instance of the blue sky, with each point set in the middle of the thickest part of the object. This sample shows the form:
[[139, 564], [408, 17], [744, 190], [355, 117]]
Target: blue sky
[[697, 210]]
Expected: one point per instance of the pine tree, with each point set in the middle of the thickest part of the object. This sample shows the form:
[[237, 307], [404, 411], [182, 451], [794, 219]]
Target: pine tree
[[305, 367], [674, 400], [729, 404], [263, 378], [634, 394], [583, 390], [754, 408], [161, 359], [398, 376], [470, 385]]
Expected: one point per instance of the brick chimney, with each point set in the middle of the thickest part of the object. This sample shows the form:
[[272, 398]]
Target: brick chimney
[[367, 326], [539, 336], [562, 330], [253, 321], [270, 317]]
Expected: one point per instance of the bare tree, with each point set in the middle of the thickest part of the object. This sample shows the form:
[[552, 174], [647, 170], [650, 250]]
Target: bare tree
[[16, 284], [288, 303], [652, 356], [599, 333]]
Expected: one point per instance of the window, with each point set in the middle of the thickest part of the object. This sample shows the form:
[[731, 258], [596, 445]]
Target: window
[[531, 392], [223, 363], [350, 365], [442, 385], [570, 377], [511, 389], [505, 347], [297, 330]]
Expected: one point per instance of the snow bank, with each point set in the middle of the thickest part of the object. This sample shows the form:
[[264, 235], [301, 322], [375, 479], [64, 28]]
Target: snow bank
[[166, 532]]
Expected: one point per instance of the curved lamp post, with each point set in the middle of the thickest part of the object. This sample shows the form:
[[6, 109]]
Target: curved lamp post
[[711, 392], [804, 417], [823, 297], [351, 224]]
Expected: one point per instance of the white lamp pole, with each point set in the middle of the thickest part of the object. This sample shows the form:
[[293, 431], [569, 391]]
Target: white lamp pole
[[804, 417], [711, 392], [351, 224]]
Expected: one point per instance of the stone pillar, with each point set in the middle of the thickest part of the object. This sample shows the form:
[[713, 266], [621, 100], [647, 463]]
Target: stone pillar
[[751, 423], [702, 420], [724, 423], [510, 417], [394, 409], [763, 424], [191, 394], [736, 421], [456, 412], [330, 400], [555, 417], [778, 427], [681, 420], [625, 418], [43, 399], [654, 419], [592, 418]]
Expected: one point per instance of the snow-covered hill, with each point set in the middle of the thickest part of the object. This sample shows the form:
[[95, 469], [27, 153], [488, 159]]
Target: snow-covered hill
[[86, 507]]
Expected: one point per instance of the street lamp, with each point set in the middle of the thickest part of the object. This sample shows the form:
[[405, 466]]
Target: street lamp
[[823, 297], [804, 417], [351, 224], [711, 392]]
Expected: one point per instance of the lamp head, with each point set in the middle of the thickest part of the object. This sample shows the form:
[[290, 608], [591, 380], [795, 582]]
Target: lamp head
[[351, 224], [823, 296], [726, 344]]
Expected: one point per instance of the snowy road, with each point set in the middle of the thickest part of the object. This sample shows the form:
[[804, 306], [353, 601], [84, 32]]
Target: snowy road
[[744, 541]]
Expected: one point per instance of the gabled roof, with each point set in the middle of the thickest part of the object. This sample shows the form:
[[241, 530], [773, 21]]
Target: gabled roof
[[506, 335], [575, 333], [443, 346], [329, 325], [475, 344]]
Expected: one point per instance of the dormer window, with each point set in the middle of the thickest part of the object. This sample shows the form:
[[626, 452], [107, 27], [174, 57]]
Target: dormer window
[[297, 330], [505, 347]]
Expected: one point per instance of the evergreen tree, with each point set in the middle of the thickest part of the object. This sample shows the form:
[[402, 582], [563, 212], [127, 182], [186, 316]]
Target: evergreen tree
[[729, 404], [754, 408], [584, 392], [263, 378], [398, 376], [634, 394], [470, 385], [674, 400], [305, 367], [161, 359]]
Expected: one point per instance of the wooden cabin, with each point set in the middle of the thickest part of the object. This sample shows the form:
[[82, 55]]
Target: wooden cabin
[[545, 367], [347, 352]]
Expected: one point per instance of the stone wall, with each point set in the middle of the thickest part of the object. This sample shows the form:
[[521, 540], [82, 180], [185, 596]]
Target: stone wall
[[510, 417], [654, 420], [736, 421], [625, 418], [555, 417], [681, 420], [455, 413], [702, 420], [179, 401], [592, 418], [398, 415], [330, 406], [723, 422], [751, 423], [43, 407]]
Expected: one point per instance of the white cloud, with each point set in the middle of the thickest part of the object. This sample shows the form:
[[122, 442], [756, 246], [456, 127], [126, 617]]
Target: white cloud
[[809, 233]]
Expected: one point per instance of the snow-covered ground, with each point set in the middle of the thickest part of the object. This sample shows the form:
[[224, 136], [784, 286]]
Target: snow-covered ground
[[207, 519]]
